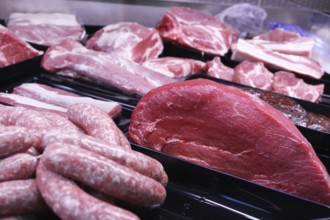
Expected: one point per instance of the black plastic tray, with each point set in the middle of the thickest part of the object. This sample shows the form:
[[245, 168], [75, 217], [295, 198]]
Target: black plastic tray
[[196, 192]]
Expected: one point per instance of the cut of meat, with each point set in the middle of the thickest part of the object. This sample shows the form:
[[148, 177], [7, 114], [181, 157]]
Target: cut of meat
[[18, 100], [244, 49], [175, 67], [283, 41], [65, 99], [13, 49], [129, 40], [253, 74], [224, 128], [217, 69], [197, 30], [45, 28], [102, 68], [287, 84]]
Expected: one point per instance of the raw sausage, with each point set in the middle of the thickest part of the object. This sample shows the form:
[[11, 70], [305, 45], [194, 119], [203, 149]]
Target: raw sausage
[[97, 123], [103, 175], [68, 201], [20, 197], [15, 139], [18, 166], [126, 157]]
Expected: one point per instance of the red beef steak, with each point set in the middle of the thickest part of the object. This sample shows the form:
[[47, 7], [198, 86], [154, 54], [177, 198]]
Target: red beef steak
[[224, 128]]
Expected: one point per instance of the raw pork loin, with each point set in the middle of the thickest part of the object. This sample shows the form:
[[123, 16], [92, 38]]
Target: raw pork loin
[[106, 69], [129, 40], [45, 28], [175, 67], [217, 69], [245, 49], [13, 49], [232, 131], [287, 84], [65, 99], [197, 30], [254, 75]]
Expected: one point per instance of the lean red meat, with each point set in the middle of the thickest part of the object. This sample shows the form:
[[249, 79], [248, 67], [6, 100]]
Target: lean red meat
[[286, 42], [217, 69], [197, 30], [254, 75], [129, 40], [13, 49], [244, 49], [287, 84], [175, 67], [227, 129], [102, 68], [45, 28]]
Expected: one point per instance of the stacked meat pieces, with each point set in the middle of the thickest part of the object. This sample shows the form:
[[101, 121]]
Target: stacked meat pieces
[[77, 166]]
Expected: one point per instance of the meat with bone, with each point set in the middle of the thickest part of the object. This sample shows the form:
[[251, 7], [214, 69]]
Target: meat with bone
[[197, 30], [129, 40], [286, 42], [175, 67], [65, 99], [103, 174], [45, 28], [126, 157], [13, 49], [244, 49], [30, 103], [253, 74], [97, 123], [103, 68], [232, 131], [217, 69], [20, 197], [14, 139], [18, 166], [287, 84], [68, 201]]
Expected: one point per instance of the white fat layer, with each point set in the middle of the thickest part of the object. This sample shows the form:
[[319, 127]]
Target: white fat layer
[[116, 39], [25, 19]]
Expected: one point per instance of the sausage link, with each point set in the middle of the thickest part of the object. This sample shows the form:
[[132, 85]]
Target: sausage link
[[15, 139], [19, 197], [126, 157], [68, 201], [18, 166], [104, 175], [97, 123]]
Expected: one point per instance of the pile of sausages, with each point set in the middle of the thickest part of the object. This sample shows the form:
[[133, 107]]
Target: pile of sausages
[[76, 167]]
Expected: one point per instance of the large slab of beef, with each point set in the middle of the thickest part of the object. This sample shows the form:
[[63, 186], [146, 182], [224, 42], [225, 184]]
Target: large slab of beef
[[197, 30], [175, 67], [254, 75], [45, 28], [129, 40], [227, 129], [286, 42], [13, 49], [102, 68], [244, 49], [63, 98], [287, 84]]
